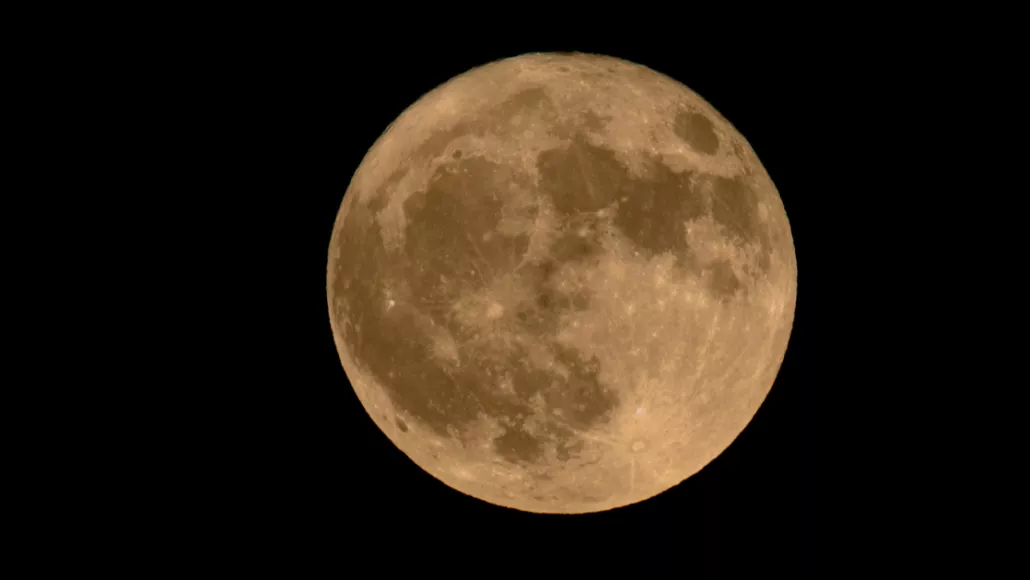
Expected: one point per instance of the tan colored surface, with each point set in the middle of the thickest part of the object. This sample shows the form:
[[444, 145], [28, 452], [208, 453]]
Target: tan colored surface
[[561, 283]]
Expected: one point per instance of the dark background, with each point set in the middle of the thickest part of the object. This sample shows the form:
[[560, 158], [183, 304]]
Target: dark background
[[200, 157], [298, 474]]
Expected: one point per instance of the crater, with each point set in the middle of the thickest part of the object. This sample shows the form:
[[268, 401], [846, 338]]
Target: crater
[[696, 130]]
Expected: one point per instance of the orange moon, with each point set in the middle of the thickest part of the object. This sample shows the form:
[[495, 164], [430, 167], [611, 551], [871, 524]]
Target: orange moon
[[561, 283]]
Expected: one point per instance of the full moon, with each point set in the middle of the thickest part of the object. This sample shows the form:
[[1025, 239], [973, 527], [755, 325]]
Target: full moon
[[561, 283]]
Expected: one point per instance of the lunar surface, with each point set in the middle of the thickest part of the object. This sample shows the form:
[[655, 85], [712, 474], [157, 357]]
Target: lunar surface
[[561, 283]]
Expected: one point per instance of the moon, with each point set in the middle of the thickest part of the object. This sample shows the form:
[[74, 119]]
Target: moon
[[561, 283]]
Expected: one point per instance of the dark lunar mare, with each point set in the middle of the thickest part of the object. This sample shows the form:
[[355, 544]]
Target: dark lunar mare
[[445, 254]]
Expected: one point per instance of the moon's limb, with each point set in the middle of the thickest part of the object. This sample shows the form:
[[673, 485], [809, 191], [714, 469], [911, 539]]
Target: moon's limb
[[561, 283]]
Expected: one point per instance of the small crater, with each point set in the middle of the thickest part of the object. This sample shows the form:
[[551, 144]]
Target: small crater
[[402, 425], [457, 154]]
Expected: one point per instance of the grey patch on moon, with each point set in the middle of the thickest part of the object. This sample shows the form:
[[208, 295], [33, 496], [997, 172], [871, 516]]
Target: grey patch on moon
[[697, 131], [610, 88], [537, 320]]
